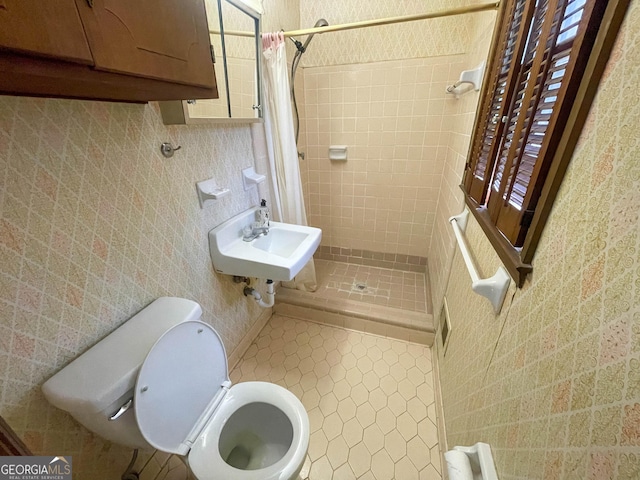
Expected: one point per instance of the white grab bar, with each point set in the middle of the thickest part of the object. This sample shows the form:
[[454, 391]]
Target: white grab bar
[[493, 288]]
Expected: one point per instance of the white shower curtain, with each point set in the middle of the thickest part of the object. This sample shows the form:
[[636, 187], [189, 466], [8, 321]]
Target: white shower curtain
[[281, 146]]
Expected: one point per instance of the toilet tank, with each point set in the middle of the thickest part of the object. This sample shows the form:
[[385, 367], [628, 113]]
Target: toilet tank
[[94, 385]]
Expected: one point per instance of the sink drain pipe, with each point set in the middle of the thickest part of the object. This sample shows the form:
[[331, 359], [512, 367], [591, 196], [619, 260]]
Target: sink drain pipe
[[258, 297]]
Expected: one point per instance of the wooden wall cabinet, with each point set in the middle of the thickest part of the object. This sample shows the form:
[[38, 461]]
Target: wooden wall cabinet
[[106, 49]]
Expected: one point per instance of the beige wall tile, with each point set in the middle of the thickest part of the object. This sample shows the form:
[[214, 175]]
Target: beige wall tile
[[384, 197]]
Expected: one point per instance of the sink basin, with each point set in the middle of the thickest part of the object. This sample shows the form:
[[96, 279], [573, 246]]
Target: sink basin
[[280, 241], [279, 255]]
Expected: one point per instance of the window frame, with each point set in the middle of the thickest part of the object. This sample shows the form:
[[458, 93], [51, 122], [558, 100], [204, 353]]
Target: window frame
[[518, 260]]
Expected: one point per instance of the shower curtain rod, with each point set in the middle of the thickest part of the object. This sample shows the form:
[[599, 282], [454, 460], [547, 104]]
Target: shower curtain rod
[[374, 23]]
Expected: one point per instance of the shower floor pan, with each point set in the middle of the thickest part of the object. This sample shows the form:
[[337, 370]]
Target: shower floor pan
[[387, 302]]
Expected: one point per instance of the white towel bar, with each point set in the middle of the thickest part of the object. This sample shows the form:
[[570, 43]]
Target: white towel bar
[[493, 288]]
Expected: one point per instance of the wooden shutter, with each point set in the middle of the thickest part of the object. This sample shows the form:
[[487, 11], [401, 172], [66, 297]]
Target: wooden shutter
[[552, 70], [521, 163], [501, 81], [527, 94]]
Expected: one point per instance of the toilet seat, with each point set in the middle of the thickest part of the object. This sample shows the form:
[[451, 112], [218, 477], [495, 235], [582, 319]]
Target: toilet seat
[[181, 381], [183, 398]]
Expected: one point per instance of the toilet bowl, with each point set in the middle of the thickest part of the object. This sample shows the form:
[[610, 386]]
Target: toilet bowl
[[257, 438], [161, 380]]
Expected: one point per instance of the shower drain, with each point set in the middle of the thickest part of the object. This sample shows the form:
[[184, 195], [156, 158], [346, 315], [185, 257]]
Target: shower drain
[[359, 287]]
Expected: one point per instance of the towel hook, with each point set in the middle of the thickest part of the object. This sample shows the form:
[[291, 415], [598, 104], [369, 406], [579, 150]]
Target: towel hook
[[167, 149]]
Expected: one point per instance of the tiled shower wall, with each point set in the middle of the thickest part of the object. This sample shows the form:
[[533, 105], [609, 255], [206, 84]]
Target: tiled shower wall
[[380, 91], [390, 117], [552, 383]]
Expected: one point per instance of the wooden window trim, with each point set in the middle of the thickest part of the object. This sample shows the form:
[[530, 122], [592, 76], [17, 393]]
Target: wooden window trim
[[509, 255], [10, 444], [518, 261]]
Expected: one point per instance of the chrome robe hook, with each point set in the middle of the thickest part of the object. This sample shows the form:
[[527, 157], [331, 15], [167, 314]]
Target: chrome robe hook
[[168, 150]]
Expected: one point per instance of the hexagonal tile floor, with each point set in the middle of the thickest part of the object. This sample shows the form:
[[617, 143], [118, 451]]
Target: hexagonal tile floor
[[370, 399]]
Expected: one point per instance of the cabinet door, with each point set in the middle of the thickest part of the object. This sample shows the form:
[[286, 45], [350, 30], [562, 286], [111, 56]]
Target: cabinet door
[[44, 28], [160, 39]]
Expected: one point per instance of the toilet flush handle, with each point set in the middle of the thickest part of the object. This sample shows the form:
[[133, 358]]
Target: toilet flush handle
[[126, 406]]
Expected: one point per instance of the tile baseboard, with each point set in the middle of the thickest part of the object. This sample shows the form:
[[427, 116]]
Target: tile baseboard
[[396, 261], [389, 322]]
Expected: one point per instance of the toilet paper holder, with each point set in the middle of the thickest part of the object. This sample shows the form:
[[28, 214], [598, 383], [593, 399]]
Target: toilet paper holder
[[473, 77], [471, 463]]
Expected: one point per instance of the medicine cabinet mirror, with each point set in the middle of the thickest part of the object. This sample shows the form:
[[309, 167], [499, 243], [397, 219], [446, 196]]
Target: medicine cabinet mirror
[[237, 66]]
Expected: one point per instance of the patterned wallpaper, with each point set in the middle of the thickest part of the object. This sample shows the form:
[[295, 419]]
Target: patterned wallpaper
[[425, 38], [94, 225], [552, 383]]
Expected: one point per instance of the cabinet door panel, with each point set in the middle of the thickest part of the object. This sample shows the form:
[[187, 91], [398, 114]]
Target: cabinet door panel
[[44, 28], [161, 39]]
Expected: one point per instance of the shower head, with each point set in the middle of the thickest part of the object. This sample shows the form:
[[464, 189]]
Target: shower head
[[302, 47], [294, 65]]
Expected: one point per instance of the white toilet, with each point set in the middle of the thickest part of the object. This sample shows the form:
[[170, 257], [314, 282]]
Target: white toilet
[[161, 381]]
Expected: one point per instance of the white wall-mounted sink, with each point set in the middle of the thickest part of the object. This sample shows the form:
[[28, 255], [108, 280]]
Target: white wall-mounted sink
[[279, 255]]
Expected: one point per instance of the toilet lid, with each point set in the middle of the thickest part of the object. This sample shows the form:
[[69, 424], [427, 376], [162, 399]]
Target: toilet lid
[[180, 379]]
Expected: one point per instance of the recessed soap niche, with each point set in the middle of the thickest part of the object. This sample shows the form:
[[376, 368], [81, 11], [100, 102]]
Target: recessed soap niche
[[445, 326]]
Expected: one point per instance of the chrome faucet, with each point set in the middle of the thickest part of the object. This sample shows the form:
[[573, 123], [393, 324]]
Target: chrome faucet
[[261, 227], [251, 232]]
